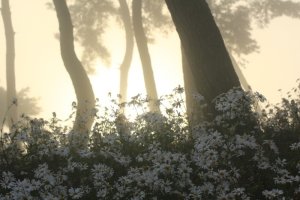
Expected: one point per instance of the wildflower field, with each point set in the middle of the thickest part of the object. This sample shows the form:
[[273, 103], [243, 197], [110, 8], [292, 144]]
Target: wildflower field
[[242, 152]]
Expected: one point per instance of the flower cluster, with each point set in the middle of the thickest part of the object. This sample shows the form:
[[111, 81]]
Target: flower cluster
[[237, 154]]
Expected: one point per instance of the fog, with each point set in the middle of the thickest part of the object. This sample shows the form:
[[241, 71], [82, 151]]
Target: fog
[[65, 64], [39, 66]]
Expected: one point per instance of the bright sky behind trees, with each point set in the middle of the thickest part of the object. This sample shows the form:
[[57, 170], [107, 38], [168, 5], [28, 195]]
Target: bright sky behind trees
[[39, 65]]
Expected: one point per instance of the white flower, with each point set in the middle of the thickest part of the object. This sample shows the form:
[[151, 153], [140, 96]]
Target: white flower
[[102, 192], [75, 165], [7, 179], [62, 151], [43, 173], [75, 193], [272, 145], [263, 164], [85, 153], [23, 136], [141, 195], [271, 194], [243, 141], [100, 174], [139, 159], [22, 189], [207, 187], [195, 192], [295, 146]]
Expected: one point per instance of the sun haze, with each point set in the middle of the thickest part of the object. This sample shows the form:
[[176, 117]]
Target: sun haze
[[39, 65]]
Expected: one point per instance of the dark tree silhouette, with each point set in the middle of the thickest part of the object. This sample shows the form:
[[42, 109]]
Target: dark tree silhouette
[[12, 110], [234, 19], [204, 48], [83, 88]]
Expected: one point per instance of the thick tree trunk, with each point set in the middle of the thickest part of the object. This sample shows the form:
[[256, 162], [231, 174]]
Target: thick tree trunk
[[124, 68], [12, 115], [189, 83], [192, 106], [142, 44], [83, 88], [204, 47]]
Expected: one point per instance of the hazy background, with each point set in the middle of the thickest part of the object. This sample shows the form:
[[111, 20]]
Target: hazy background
[[39, 65]]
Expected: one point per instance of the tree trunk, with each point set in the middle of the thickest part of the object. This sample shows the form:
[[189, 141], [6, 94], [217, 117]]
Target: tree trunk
[[124, 68], [83, 88], [244, 83], [141, 41], [192, 106], [12, 114], [204, 47], [242, 78]]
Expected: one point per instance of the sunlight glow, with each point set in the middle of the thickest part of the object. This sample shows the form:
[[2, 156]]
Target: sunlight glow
[[39, 65]]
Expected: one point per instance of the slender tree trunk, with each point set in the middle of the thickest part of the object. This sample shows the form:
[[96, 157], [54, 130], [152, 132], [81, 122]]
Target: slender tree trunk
[[12, 116], [141, 41], [204, 48], [83, 88], [124, 68]]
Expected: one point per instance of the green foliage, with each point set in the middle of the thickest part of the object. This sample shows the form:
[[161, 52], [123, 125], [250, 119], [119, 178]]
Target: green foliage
[[238, 155]]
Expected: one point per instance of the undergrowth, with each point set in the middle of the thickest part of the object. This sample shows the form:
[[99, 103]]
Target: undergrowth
[[239, 154]]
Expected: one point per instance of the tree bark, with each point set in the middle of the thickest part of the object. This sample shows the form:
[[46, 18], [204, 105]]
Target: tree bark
[[192, 106], [124, 68], [141, 41], [82, 86], [204, 47], [12, 114]]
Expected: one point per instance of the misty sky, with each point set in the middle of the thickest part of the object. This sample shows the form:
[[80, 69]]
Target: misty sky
[[39, 65]]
